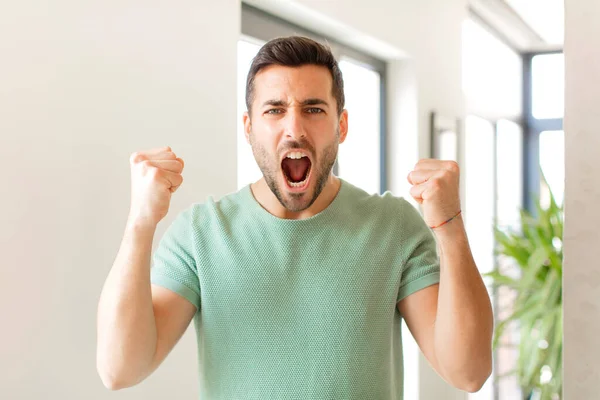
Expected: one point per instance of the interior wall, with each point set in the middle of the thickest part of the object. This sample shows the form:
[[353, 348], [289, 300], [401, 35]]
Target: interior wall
[[82, 86], [581, 279]]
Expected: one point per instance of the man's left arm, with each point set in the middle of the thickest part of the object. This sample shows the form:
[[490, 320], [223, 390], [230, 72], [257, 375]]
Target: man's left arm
[[452, 321]]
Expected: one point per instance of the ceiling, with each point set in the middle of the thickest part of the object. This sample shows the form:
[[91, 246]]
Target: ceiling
[[526, 25]]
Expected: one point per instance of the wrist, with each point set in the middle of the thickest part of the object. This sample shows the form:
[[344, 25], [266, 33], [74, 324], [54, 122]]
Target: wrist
[[451, 231], [140, 224], [448, 220]]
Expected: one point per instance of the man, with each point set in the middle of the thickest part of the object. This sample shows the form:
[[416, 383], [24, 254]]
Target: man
[[298, 282]]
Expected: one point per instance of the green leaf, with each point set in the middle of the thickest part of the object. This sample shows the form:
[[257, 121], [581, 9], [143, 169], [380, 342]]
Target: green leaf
[[538, 304], [501, 280], [526, 312]]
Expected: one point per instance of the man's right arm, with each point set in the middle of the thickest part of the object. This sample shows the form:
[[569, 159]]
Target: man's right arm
[[138, 323]]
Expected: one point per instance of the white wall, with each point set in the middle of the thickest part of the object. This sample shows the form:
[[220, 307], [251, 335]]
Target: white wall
[[82, 85], [582, 196]]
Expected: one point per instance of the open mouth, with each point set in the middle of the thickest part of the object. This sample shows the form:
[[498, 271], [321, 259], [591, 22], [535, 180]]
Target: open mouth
[[296, 167]]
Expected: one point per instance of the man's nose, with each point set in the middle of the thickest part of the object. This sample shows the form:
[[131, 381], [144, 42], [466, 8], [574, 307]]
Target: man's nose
[[294, 124]]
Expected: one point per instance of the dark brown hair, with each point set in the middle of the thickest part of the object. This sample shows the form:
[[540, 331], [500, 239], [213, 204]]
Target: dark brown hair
[[295, 51]]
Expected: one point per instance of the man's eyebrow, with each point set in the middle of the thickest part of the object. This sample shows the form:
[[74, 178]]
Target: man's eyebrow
[[274, 102], [308, 102], [314, 102]]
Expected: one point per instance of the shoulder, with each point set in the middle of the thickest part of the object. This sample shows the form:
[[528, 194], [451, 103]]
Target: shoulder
[[387, 208], [199, 221], [214, 208], [386, 202]]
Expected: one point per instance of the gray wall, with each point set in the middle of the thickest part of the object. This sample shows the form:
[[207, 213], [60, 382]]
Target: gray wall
[[582, 199]]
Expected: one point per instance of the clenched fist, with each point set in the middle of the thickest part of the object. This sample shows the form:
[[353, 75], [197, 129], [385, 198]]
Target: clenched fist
[[155, 176], [436, 188]]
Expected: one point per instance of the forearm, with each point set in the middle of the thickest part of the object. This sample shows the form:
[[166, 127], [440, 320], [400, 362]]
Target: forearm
[[127, 333], [464, 322]]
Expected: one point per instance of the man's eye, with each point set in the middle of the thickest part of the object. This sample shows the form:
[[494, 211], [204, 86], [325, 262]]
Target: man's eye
[[314, 110], [274, 111]]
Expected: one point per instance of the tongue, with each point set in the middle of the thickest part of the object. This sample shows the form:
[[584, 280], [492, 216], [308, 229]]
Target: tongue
[[296, 168]]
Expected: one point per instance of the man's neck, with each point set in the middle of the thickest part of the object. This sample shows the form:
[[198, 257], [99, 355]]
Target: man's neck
[[265, 197]]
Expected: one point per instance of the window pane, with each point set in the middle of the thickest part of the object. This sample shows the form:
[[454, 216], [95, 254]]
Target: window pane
[[509, 170], [479, 206], [448, 150], [247, 169], [358, 156], [552, 163], [548, 86], [492, 74], [509, 153]]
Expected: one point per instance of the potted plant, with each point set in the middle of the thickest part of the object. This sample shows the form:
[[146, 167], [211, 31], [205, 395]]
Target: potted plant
[[533, 253]]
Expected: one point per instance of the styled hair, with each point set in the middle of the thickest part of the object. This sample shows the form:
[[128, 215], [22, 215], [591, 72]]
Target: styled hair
[[295, 51]]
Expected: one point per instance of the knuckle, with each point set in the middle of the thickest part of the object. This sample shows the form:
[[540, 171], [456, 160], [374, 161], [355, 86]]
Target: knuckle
[[148, 170], [145, 164], [153, 172], [452, 166], [136, 157]]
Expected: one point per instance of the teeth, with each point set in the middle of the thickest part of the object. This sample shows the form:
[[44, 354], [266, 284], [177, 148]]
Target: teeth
[[296, 155], [297, 184]]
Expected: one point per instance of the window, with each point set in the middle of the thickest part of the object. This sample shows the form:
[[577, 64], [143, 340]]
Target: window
[[548, 85], [509, 201], [492, 75], [361, 158], [552, 164], [509, 172], [247, 169], [544, 111], [358, 157], [479, 204], [494, 175], [493, 87]]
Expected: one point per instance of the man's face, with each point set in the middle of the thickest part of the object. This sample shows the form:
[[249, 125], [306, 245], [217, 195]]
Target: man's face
[[295, 131]]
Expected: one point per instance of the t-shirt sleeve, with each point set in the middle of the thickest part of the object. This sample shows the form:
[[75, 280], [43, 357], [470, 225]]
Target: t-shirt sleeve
[[173, 263], [422, 266]]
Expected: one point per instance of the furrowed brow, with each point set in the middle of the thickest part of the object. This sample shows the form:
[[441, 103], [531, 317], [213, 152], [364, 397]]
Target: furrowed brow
[[308, 102]]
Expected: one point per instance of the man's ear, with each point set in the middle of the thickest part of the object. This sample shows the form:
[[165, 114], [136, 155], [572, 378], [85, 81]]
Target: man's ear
[[343, 125], [247, 126]]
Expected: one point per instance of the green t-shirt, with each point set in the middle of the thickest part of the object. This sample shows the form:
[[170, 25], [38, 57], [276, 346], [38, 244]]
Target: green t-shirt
[[298, 309]]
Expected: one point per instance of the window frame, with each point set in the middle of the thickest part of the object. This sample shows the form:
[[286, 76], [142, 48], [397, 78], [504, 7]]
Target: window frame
[[532, 128]]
